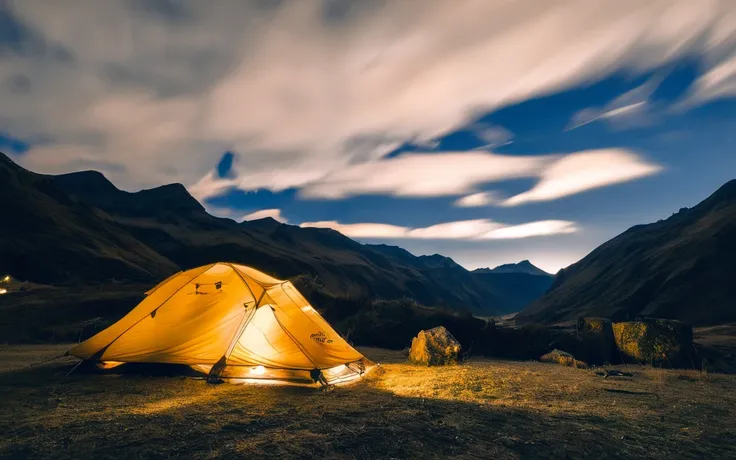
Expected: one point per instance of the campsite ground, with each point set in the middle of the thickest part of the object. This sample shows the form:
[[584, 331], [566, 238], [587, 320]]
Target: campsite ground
[[482, 409]]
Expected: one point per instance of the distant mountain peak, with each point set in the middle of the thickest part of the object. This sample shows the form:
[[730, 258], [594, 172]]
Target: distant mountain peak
[[525, 266]]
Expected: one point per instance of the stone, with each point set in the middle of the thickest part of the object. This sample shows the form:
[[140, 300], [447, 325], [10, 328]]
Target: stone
[[434, 347], [655, 341], [564, 358]]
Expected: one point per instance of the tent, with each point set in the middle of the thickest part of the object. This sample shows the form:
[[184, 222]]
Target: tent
[[230, 322]]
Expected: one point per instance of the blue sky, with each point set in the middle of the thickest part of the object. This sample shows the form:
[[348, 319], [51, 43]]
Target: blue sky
[[490, 133]]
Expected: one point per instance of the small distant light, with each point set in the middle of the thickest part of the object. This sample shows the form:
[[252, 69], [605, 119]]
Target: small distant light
[[6, 279], [259, 370], [3, 291]]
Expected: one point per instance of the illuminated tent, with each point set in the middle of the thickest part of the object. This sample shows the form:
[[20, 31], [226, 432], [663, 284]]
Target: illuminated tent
[[230, 322]]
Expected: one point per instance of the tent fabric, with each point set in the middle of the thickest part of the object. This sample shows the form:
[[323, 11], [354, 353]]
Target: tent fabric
[[229, 319]]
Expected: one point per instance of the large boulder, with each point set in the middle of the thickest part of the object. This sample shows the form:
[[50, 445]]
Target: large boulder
[[434, 347], [564, 358], [595, 342], [655, 341]]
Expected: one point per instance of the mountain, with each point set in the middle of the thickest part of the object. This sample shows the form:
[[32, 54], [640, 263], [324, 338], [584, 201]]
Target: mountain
[[520, 283], [45, 236], [682, 268], [80, 228], [522, 267]]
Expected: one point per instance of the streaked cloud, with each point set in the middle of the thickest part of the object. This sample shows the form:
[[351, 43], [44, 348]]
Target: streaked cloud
[[625, 111], [492, 135], [263, 213], [367, 230], [717, 82], [585, 171], [458, 173], [478, 199], [541, 228], [477, 229], [163, 92]]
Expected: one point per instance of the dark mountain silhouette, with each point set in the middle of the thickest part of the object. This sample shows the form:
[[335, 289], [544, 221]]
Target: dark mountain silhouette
[[682, 268], [45, 236], [522, 267], [80, 228]]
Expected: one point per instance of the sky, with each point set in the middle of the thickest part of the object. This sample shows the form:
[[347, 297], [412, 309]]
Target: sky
[[488, 131]]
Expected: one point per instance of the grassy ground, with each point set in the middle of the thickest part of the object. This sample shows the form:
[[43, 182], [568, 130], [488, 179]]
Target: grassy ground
[[482, 409]]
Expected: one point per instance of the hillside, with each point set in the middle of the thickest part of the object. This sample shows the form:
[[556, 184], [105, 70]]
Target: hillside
[[83, 229], [682, 268]]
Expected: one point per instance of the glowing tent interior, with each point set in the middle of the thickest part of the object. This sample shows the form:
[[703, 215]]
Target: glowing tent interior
[[230, 322]]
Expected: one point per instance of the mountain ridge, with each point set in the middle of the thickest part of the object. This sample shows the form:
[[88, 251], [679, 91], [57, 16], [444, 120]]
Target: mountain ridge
[[175, 232], [525, 266]]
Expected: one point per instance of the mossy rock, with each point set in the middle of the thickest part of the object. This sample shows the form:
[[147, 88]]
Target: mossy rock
[[564, 358], [595, 341], [655, 341], [434, 347]]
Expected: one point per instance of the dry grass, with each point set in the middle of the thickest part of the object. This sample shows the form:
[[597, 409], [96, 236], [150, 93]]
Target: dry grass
[[482, 409]]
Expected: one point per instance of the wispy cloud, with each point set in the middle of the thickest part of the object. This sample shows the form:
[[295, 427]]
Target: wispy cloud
[[365, 230], [458, 173], [585, 171], [630, 109], [159, 93], [541, 228], [717, 82], [493, 135], [263, 213], [478, 199], [477, 229]]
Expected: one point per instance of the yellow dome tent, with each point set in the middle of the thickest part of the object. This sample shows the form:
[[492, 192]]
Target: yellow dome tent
[[230, 322]]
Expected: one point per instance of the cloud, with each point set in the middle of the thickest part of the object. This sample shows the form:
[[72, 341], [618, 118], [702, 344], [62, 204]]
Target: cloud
[[585, 171], [263, 213], [628, 110], [477, 229], [458, 173], [492, 135], [157, 91], [541, 228], [478, 199], [422, 175], [717, 82], [362, 230]]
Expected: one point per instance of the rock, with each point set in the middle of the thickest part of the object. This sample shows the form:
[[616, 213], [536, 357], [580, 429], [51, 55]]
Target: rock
[[596, 344], [655, 341], [564, 358], [434, 347]]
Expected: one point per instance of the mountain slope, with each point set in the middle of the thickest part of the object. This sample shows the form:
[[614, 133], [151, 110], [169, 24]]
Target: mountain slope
[[47, 237], [682, 268]]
